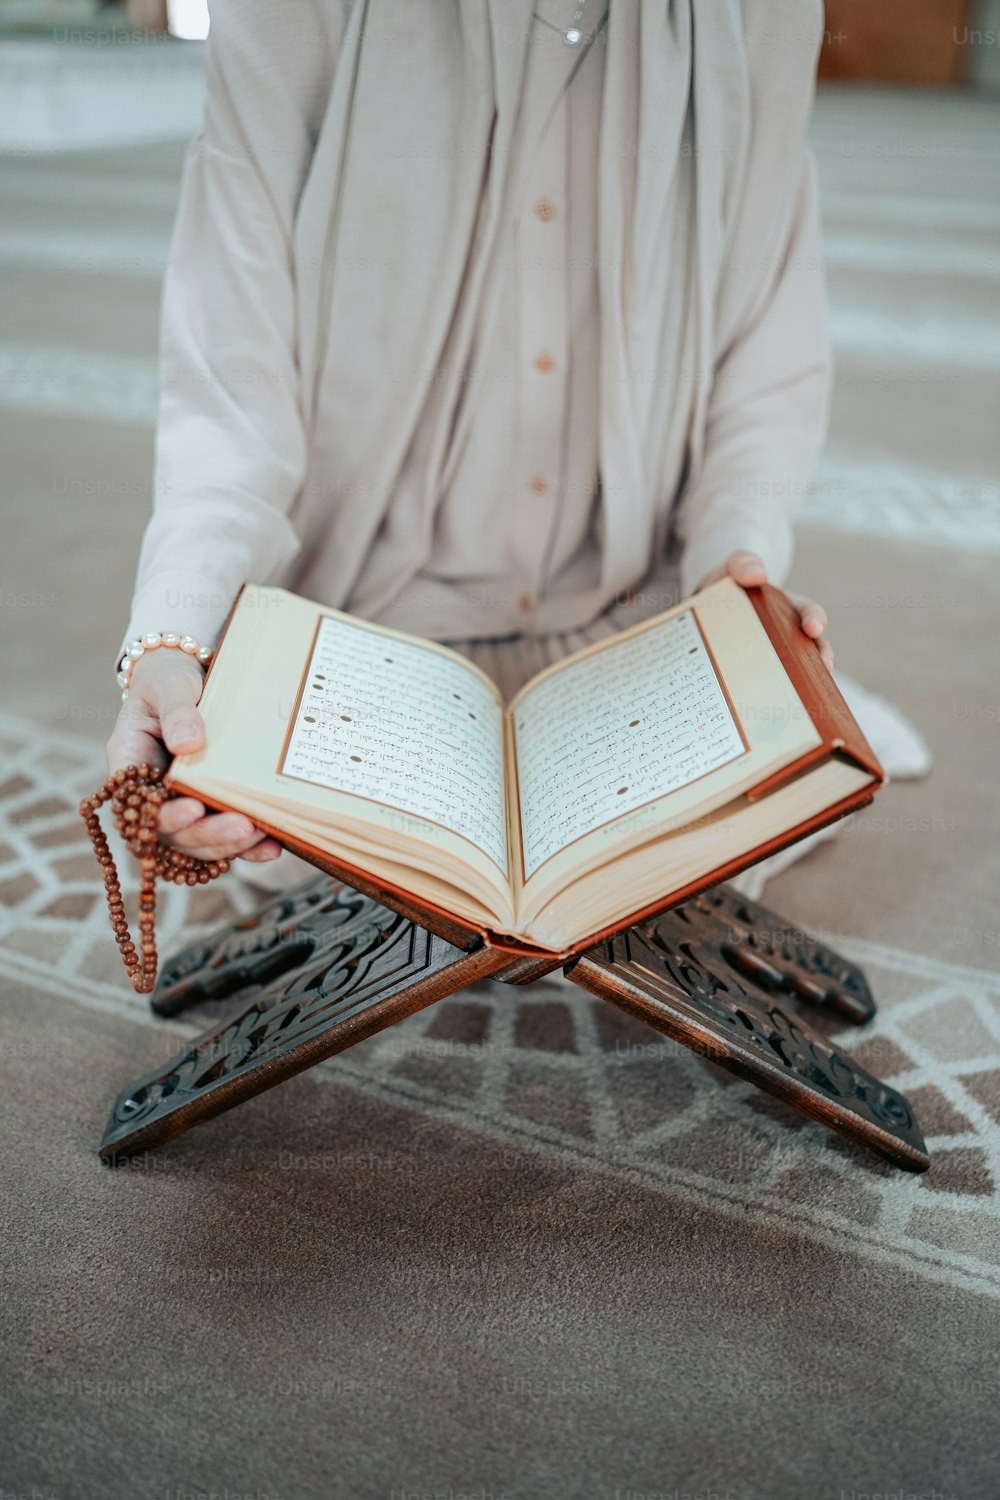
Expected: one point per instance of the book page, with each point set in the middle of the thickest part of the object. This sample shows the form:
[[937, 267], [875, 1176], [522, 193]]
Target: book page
[[625, 726], [404, 727]]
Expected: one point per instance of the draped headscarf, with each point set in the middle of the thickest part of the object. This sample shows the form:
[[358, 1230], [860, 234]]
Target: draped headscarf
[[418, 128]]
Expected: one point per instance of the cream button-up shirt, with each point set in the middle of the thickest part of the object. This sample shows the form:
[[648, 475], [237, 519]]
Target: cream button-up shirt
[[534, 529]]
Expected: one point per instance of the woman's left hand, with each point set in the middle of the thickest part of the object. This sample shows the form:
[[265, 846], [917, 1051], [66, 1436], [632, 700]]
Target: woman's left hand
[[748, 569]]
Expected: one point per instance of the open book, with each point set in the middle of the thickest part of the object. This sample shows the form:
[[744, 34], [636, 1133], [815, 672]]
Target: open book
[[626, 778]]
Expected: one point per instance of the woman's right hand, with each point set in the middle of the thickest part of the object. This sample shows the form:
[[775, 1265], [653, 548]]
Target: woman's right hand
[[160, 719]]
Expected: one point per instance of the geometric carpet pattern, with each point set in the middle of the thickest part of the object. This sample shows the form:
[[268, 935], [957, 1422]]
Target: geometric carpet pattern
[[552, 1070]]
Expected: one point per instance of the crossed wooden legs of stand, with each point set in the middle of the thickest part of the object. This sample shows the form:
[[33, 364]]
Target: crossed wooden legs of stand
[[324, 967]]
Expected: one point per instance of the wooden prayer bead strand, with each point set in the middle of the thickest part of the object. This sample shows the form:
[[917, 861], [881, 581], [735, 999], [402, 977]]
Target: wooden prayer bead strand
[[136, 795]]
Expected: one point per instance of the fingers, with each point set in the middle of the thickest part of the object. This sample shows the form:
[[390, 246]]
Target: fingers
[[217, 836], [181, 726], [159, 717], [185, 815], [179, 813], [262, 852], [166, 686], [813, 620], [747, 569], [812, 616], [133, 745]]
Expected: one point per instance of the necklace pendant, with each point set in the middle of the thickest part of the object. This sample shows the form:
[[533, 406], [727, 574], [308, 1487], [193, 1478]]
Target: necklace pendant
[[573, 37]]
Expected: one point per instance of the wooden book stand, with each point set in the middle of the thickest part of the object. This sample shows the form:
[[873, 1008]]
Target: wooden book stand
[[325, 966]]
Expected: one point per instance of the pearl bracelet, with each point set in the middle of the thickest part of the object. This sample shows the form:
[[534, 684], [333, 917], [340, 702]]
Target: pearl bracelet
[[151, 641]]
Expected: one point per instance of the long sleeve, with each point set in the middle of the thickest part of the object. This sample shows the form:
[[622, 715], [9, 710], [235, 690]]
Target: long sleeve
[[767, 412], [231, 443]]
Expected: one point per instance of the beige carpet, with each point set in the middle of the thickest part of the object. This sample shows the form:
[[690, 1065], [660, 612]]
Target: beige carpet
[[517, 1246]]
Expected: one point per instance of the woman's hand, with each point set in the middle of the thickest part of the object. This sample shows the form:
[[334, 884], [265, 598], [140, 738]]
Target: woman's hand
[[160, 718], [748, 569]]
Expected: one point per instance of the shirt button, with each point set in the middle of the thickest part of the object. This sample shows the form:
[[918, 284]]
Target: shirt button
[[538, 484], [545, 363], [545, 209], [525, 602]]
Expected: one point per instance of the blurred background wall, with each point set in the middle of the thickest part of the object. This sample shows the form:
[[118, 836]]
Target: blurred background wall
[[78, 72], [923, 42]]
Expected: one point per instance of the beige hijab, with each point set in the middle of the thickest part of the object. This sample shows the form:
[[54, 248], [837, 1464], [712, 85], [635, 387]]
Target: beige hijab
[[697, 186]]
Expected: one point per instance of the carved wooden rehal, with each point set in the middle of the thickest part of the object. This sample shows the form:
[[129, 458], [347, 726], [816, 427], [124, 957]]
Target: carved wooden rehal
[[324, 967]]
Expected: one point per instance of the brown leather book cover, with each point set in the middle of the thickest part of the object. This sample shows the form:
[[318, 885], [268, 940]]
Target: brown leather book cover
[[821, 697]]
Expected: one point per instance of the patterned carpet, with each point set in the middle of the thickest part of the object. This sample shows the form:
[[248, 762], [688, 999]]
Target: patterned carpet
[[552, 1070], [517, 1245]]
